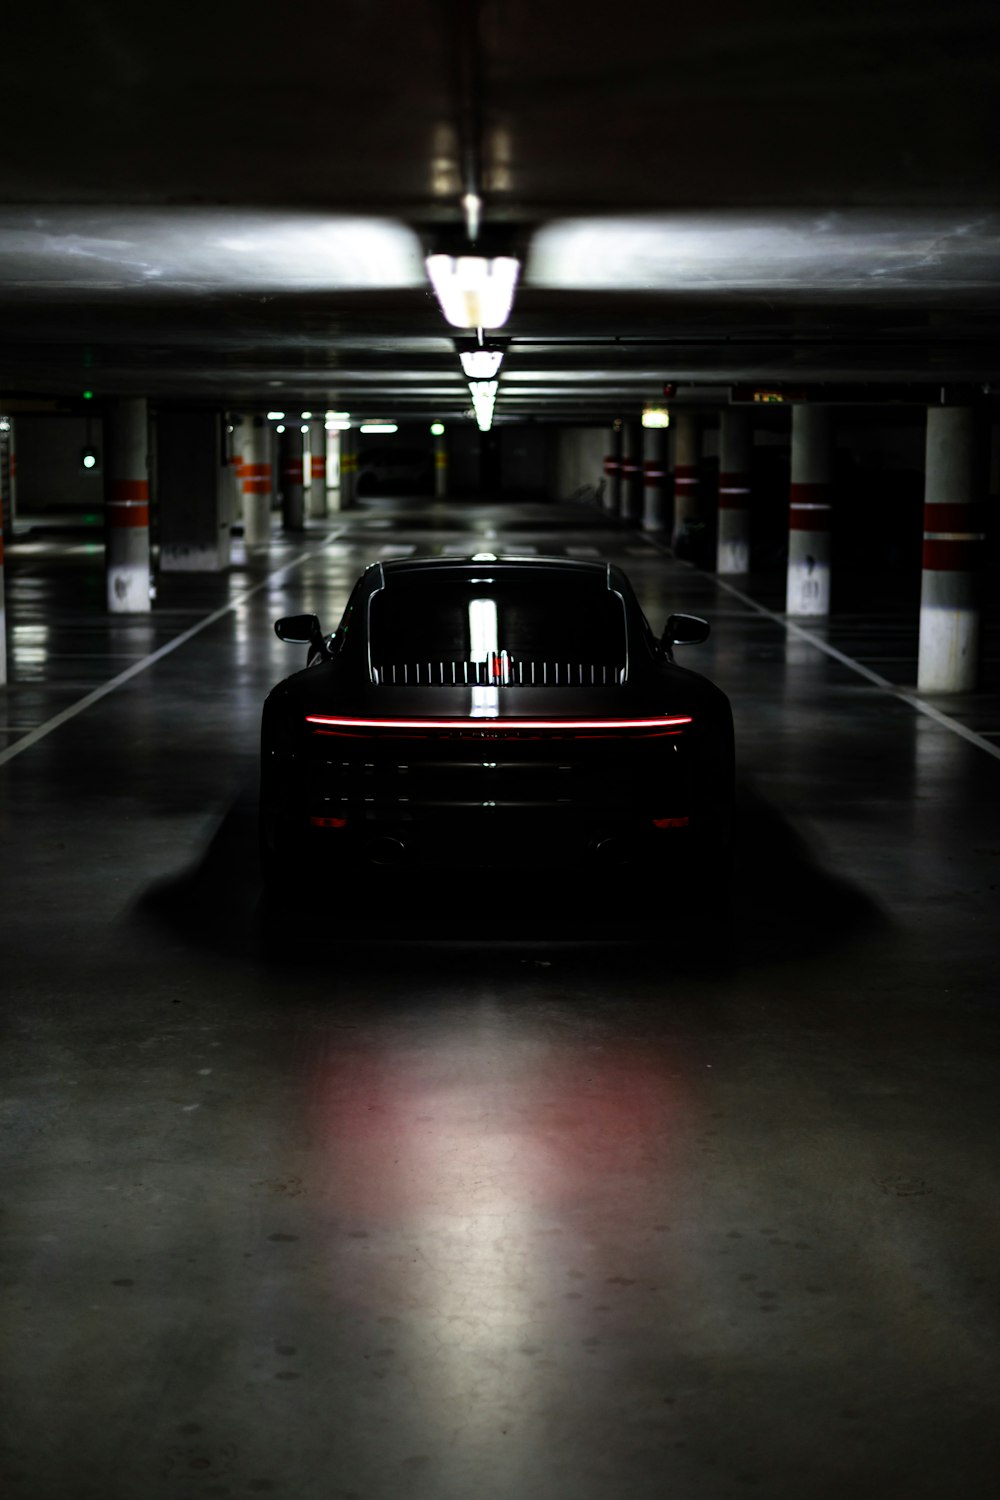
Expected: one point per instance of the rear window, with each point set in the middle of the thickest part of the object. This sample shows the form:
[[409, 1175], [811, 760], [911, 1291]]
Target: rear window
[[499, 631]]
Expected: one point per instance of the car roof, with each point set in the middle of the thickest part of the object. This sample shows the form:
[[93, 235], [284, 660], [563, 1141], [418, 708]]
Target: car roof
[[401, 567]]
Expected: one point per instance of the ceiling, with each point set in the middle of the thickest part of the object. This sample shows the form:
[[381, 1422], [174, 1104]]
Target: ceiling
[[232, 203]]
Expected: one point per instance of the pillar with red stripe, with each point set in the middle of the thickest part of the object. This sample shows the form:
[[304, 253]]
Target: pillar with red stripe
[[631, 487], [257, 483], [317, 470], [809, 502], [654, 479], [612, 497], [954, 552], [733, 545], [686, 497], [126, 505]]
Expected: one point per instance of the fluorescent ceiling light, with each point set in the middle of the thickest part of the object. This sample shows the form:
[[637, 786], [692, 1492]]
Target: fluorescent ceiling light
[[275, 416], [655, 416], [481, 364], [280, 427], [437, 429], [379, 427], [484, 395], [305, 415], [474, 292]]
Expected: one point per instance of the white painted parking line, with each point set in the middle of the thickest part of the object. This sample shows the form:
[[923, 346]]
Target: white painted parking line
[[919, 704], [78, 707]]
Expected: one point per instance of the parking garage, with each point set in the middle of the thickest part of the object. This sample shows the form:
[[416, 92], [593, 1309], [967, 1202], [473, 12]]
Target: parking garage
[[489, 1184]]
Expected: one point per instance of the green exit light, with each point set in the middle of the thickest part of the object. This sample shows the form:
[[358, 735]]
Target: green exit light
[[88, 395]]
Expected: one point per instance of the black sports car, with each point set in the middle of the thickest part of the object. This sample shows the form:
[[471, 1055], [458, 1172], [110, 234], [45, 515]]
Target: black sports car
[[498, 712]]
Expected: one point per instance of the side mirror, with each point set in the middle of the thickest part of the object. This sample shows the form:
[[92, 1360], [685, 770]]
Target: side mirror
[[684, 630], [299, 630], [304, 630]]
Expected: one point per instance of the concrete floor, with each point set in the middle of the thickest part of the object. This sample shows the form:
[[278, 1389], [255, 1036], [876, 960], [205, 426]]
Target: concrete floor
[[518, 1194]]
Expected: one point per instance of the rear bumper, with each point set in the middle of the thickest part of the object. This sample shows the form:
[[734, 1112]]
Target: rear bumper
[[490, 838]]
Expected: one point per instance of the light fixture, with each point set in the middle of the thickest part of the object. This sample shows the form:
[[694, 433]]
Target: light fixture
[[472, 208], [338, 421], [484, 395], [280, 427], [304, 427], [474, 292], [655, 416], [437, 429], [481, 364], [305, 415], [275, 416], [379, 427]]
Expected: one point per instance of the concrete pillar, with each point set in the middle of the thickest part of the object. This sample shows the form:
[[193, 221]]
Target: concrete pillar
[[291, 460], [5, 434], [257, 484], [317, 471], [654, 465], [348, 467], [126, 505], [193, 483], [631, 501], [954, 551], [237, 439], [440, 465], [686, 497], [808, 582], [333, 500], [613, 471], [11, 496], [735, 440]]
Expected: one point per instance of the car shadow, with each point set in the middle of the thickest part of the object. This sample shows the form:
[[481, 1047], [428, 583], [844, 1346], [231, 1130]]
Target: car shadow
[[778, 905]]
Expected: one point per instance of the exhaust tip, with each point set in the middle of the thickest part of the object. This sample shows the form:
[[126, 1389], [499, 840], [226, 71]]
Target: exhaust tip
[[612, 851], [386, 851]]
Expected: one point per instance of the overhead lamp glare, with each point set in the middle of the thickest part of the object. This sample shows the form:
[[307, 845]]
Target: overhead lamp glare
[[481, 364], [379, 427], [474, 292], [656, 416], [437, 429], [276, 416], [305, 415]]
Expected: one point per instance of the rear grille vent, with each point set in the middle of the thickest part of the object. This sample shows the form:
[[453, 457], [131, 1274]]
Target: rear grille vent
[[499, 671]]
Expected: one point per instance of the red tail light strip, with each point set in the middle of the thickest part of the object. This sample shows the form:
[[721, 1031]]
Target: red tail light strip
[[326, 721]]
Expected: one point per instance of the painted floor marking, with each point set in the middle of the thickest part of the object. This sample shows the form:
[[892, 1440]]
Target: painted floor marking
[[147, 661], [799, 631]]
